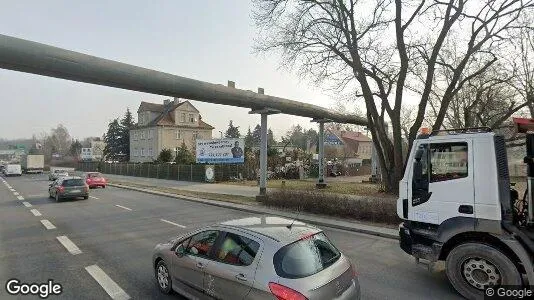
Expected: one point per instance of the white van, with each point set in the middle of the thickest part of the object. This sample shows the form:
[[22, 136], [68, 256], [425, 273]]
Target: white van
[[13, 170]]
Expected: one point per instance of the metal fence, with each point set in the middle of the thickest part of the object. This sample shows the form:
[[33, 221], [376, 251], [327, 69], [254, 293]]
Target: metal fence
[[167, 171]]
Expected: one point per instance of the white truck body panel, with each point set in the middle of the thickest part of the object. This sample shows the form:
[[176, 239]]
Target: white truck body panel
[[33, 163]]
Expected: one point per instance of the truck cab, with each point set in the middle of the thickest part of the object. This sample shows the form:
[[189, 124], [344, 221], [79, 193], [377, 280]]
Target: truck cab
[[457, 206]]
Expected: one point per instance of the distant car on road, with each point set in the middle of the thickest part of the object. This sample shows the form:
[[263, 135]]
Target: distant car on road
[[255, 258], [69, 187], [13, 170], [95, 179], [57, 173]]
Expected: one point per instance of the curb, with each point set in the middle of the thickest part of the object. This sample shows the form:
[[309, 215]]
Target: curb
[[247, 208]]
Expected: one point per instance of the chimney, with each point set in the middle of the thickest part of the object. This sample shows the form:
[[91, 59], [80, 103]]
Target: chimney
[[166, 101], [231, 84], [176, 101], [261, 91]]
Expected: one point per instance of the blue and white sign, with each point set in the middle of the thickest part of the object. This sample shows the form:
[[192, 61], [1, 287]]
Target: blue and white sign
[[220, 151]]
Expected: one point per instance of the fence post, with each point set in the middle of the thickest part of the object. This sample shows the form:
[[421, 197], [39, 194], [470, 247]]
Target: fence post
[[178, 172], [157, 171], [168, 171], [191, 179]]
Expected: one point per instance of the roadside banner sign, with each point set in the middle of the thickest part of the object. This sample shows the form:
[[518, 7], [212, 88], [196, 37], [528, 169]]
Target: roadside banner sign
[[220, 151]]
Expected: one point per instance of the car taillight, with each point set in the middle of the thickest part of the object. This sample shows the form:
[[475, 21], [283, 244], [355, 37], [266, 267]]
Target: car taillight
[[284, 293], [60, 189]]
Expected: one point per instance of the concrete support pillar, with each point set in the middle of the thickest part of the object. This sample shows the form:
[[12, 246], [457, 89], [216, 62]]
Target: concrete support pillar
[[263, 148], [321, 182], [263, 155]]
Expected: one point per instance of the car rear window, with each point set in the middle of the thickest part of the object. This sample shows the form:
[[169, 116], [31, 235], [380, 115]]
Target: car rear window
[[73, 182], [305, 257], [94, 175]]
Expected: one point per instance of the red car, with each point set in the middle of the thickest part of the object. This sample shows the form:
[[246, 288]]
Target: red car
[[95, 179]]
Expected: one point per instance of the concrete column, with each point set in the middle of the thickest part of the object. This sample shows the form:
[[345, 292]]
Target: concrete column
[[263, 155], [320, 180]]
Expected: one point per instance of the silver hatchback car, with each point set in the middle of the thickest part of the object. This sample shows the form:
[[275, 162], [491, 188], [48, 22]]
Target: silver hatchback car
[[255, 258]]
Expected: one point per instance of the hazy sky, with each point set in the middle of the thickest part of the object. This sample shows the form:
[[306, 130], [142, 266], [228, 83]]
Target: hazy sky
[[207, 40]]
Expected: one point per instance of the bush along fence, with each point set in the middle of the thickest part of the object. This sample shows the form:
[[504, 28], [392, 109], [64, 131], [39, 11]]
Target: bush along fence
[[194, 173], [376, 210]]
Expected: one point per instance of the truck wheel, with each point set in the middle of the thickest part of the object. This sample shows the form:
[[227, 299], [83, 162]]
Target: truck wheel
[[471, 266]]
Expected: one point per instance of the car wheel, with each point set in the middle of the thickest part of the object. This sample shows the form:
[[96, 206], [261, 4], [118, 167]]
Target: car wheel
[[163, 277], [470, 267], [85, 197], [103, 186]]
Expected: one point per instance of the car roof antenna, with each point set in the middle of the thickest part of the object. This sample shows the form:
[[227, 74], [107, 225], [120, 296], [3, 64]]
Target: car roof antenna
[[294, 219]]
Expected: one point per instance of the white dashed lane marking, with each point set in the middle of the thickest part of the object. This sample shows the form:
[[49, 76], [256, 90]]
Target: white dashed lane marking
[[69, 245], [123, 207], [48, 225], [172, 223], [92, 197], [112, 288], [20, 197], [35, 212], [27, 204], [16, 193]]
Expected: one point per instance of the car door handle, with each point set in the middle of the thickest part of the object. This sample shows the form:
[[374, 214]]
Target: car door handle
[[241, 277], [200, 265]]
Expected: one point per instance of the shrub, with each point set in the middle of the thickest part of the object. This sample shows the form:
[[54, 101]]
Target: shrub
[[376, 210]]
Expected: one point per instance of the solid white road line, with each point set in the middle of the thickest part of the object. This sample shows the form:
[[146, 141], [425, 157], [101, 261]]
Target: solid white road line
[[35, 212], [123, 207], [172, 223], [48, 225], [113, 289], [13, 190], [16, 193], [20, 197], [69, 245], [92, 197], [27, 204]]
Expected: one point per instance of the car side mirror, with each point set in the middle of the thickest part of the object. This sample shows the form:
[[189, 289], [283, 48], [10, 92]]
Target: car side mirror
[[179, 251], [418, 154]]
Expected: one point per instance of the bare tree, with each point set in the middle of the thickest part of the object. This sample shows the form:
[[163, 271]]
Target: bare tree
[[380, 45]]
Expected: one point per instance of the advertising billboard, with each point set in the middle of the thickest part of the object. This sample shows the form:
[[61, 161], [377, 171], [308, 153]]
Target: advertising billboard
[[220, 151]]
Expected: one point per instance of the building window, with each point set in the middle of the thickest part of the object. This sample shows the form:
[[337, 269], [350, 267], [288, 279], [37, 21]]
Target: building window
[[135, 152], [142, 151], [191, 118], [150, 153], [178, 134], [150, 134], [183, 117], [195, 135]]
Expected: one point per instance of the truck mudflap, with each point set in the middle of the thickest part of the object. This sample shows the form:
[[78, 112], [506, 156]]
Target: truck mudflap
[[405, 239], [524, 257]]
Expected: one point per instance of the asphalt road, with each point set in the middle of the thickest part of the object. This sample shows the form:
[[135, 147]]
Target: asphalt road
[[117, 229]]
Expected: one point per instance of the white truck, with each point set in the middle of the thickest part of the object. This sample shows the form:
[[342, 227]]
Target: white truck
[[458, 207], [12, 170], [32, 163]]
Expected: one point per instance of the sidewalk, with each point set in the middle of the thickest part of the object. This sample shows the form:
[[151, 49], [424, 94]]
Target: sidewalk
[[246, 191], [218, 188]]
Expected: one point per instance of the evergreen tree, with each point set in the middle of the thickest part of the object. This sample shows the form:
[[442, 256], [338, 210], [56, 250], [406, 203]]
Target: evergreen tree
[[126, 124], [256, 136], [75, 148], [165, 156], [184, 156], [270, 138], [248, 139], [114, 140], [232, 131]]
